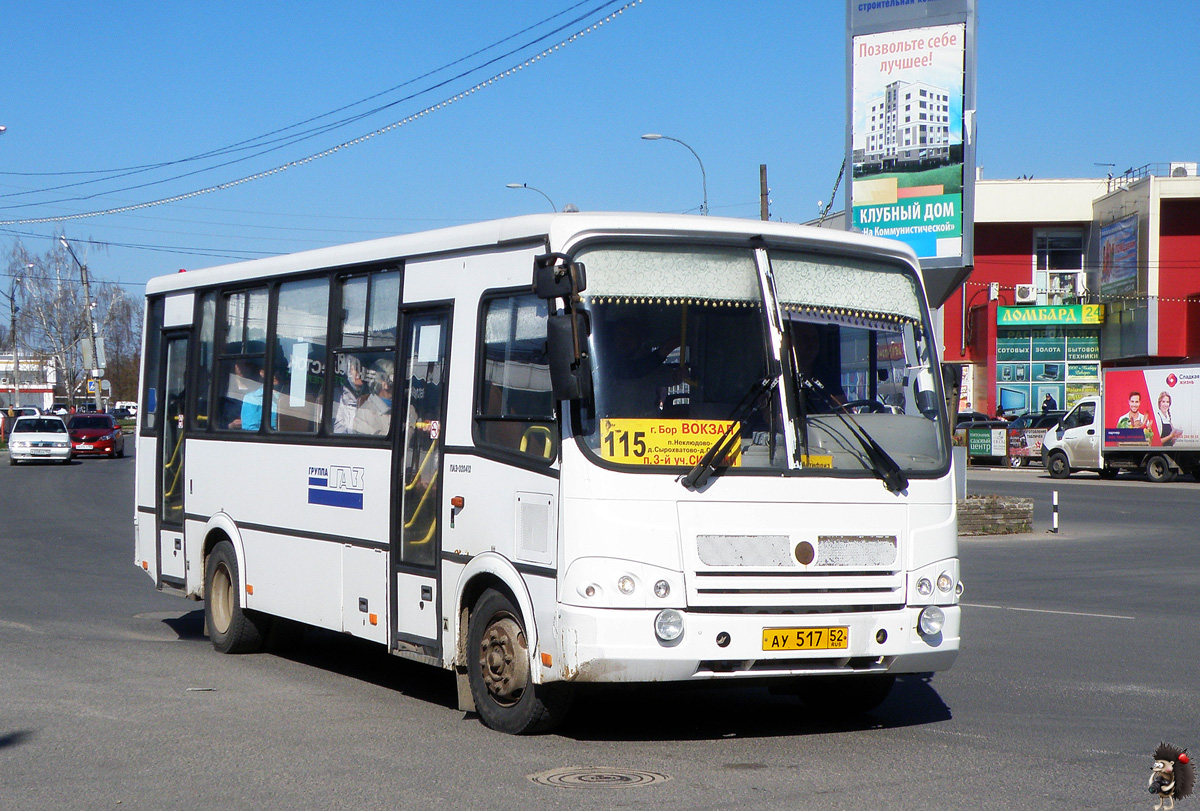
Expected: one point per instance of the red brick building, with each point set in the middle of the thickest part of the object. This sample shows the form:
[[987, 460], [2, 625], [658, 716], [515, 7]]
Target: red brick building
[[1072, 275]]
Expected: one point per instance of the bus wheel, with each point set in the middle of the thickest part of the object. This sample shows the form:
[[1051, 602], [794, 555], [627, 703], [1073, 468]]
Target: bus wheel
[[1058, 466], [505, 696], [231, 629], [1018, 461], [1107, 472], [1158, 469], [844, 695]]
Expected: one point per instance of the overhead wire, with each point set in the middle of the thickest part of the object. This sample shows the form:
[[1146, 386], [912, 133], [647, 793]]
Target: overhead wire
[[297, 138], [243, 144]]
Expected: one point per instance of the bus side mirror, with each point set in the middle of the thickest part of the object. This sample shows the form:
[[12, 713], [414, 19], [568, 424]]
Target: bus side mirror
[[926, 394], [556, 276], [570, 365]]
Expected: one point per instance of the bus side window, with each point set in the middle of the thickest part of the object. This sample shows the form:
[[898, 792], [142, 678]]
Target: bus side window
[[515, 411], [364, 354], [302, 312], [241, 367]]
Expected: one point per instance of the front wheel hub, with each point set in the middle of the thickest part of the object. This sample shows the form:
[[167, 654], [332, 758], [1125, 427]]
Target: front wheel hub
[[504, 660]]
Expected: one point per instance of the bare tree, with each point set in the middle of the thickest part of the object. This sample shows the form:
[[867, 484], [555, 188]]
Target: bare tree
[[53, 320]]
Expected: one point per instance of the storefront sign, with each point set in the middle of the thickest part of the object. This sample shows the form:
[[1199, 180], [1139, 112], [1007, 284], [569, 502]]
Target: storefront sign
[[1074, 314], [987, 441]]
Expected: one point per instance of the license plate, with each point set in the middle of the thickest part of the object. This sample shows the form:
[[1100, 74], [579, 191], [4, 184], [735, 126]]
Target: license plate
[[836, 638], [40, 452], [85, 447]]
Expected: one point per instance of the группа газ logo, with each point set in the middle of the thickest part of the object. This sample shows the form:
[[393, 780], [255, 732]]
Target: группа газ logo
[[1172, 777]]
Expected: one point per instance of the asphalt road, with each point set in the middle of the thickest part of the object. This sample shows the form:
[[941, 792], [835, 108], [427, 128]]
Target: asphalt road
[[1078, 659]]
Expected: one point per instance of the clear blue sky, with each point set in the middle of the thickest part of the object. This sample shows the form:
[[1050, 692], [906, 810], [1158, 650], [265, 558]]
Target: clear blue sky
[[1062, 87]]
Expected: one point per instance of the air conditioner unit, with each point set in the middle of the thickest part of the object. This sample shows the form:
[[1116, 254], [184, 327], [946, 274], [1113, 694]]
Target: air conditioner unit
[[1183, 169], [1025, 294]]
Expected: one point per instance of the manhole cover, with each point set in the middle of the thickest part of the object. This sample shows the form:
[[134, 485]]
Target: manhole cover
[[597, 777]]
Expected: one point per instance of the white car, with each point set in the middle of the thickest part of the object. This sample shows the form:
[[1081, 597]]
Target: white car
[[37, 438]]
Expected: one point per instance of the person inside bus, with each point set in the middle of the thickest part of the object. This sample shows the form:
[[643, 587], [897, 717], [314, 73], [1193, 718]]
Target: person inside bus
[[250, 418], [375, 413], [241, 381], [353, 394]]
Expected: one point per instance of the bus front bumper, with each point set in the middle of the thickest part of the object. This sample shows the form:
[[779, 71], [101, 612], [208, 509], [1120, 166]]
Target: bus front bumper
[[620, 646]]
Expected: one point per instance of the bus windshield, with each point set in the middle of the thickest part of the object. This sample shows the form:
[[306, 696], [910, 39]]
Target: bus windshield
[[682, 356]]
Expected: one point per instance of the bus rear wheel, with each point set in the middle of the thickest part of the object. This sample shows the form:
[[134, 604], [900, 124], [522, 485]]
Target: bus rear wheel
[[231, 629], [502, 686]]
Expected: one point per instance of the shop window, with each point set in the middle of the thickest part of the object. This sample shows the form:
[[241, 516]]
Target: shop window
[[1058, 274]]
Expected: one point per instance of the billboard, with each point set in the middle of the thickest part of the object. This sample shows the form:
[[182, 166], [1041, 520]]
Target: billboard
[[1118, 256], [1157, 407], [910, 144]]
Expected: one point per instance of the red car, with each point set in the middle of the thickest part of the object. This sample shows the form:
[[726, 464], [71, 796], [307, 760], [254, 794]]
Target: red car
[[96, 434]]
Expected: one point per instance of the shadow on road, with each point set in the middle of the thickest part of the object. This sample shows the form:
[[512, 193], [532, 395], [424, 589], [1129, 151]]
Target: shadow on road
[[189, 626], [668, 711], [15, 738], [705, 712]]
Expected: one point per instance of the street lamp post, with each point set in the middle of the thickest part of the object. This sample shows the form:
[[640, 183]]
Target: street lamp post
[[95, 372], [654, 136], [531, 188], [12, 338]]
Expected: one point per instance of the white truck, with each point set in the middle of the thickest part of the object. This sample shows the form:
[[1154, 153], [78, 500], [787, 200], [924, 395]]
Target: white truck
[[1145, 419]]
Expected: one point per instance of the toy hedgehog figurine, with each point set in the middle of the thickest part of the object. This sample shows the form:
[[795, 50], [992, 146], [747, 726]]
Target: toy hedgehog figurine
[[1173, 776]]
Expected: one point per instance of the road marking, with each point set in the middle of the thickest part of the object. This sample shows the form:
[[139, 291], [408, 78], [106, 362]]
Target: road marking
[[1049, 611]]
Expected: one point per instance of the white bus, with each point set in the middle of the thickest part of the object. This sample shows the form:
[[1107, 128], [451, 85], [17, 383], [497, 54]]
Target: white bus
[[564, 449]]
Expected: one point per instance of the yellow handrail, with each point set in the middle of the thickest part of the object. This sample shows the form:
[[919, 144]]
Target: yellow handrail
[[417, 512], [421, 468], [547, 437]]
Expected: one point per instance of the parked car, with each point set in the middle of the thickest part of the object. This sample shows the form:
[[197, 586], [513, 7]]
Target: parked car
[[1042, 419], [19, 411], [96, 435], [1025, 436], [971, 416], [122, 413], [43, 437]]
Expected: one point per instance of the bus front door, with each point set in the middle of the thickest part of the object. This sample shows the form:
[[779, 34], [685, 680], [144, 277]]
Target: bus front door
[[172, 568], [417, 531]]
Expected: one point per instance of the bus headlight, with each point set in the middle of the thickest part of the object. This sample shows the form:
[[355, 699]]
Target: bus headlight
[[668, 625], [625, 584], [662, 589], [924, 587], [945, 582], [931, 621]]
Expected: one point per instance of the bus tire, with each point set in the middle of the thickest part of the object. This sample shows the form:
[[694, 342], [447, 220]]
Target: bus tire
[[1057, 465], [1158, 469], [845, 695], [231, 629], [498, 669], [1018, 461], [1107, 472]]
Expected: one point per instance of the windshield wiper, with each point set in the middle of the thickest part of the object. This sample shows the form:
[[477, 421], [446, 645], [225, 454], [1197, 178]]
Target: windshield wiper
[[719, 450], [881, 461]]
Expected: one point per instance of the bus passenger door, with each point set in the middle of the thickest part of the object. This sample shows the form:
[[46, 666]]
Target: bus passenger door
[[416, 533], [171, 481]]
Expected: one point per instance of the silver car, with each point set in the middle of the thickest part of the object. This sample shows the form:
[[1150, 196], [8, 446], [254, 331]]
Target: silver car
[[39, 438]]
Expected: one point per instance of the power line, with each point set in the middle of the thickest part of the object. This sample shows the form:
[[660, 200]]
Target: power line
[[124, 171], [297, 138]]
